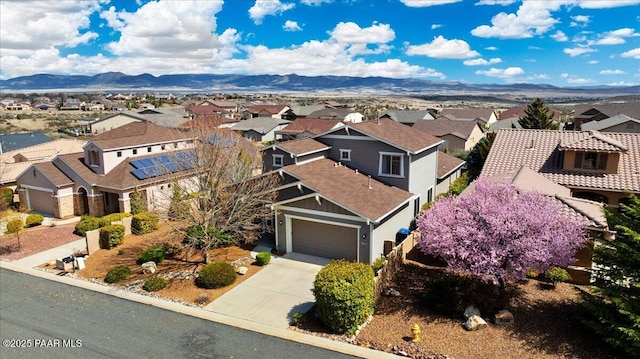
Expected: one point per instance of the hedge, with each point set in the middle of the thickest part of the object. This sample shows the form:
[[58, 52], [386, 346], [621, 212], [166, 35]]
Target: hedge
[[344, 293], [111, 236], [86, 224], [34, 219], [144, 222], [216, 275], [113, 217]]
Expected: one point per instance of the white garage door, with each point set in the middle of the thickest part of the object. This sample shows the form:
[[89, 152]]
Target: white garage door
[[41, 201], [324, 240]]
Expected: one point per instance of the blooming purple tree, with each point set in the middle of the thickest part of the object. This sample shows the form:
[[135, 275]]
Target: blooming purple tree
[[498, 233]]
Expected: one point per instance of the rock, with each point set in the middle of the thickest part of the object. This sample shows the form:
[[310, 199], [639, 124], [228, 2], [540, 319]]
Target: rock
[[470, 311], [503, 317], [149, 267], [242, 270], [475, 322], [390, 292]]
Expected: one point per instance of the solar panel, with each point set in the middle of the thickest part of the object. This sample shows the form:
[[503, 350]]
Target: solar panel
[[162, 165]]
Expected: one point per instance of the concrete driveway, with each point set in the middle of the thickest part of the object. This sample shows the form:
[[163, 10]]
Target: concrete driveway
[[274, 294]]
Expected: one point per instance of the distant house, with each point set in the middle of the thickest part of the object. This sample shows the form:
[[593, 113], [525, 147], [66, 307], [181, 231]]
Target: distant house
[[511, 122], [518, 111], [342, 114], [71, 104], [260, 129], [483, 115], [583, 114], [211, 113], [302, 111], [602, 167], [159, 116], [407, 117], [14, 141], [275, 111], [460, 135], [618, 123], [306, 127], [449, 169]]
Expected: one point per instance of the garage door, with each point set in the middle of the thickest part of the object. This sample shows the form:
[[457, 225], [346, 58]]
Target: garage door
[[41, 201], [324, 240]]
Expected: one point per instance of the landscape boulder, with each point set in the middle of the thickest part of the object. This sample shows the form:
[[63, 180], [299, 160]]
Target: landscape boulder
[[390, 292], [503, 317], [475, 322], [149, 267], [470, 311], [242, 270]]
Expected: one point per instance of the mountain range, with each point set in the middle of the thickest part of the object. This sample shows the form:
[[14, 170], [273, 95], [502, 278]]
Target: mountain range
[[111, 81]]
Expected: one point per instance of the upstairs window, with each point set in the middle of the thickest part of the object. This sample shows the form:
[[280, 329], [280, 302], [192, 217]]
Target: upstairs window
[[391, 164], [135, 151], [345, 155], [591, 161], [278, 160]]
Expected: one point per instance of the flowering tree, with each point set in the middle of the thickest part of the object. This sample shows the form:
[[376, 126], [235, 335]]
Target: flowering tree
[[498, 233]]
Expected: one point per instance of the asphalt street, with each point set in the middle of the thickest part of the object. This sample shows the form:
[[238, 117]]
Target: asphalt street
[[45, 319]]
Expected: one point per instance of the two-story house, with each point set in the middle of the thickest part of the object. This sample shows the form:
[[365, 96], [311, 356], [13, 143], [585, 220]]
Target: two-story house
[[139, 156], [346, 193]]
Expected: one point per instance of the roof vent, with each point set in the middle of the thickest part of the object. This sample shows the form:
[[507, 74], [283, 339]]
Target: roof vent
[[531, 144], [369, 184], [356, 171]]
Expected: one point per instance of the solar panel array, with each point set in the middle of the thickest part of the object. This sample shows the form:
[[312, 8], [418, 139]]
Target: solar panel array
[[163, 165]]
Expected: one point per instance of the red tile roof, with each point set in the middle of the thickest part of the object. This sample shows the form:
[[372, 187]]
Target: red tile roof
[[350, 189]]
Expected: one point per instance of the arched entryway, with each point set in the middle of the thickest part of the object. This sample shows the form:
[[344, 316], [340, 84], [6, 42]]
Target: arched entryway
[[82, 203]]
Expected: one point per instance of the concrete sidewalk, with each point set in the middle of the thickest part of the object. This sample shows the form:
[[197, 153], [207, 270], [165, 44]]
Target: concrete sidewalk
[[63, 251], [274, 294]]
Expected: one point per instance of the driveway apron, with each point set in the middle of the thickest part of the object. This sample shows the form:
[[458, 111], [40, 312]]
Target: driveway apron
[[274, 294]]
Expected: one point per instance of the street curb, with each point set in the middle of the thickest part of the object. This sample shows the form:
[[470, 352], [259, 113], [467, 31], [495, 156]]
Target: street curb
[[299, 337]]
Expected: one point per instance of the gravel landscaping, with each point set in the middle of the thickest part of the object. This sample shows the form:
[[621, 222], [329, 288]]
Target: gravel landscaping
[[35, 240]]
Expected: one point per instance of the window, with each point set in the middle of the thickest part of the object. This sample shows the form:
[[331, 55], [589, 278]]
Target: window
[[391, 164], [591, 161], [345, 155], [175, 145], [416, 207], [162, 147], [278, 160], [135, 151], [119, 153], [148, 149], [94, 158]]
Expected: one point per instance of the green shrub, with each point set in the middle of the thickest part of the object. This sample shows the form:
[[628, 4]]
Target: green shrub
[[216, 275], [86, 224], [144, 222], [154, 284], [377, 264], [117, 274], [460, 184], [111, 236], [113, 217], [556, 275], [197, 238], [34, 220], [155, 254], [344, 294], [298, 319], [6, 198], [263, 258], [532, 273], [137, 202]]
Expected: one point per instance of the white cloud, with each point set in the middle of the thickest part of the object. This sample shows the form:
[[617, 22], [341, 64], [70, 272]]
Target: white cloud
[[616, 37], [506, 74], [436, 26], [532, 18], [262, 8], [315, 2], [291, 26], [482, 62], [601, 4], [634, 53], [612, 72], [578, 81], [357, 39], [576, 51], [491, 48], [495, 2], [427, 3], [580, 20], [623, 83], [441, 48], [560, 36], [593, 62]]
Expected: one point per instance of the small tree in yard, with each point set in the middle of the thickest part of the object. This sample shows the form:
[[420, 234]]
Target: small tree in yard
[[538, 116], [14, 226], [498, 233], [614, 303]]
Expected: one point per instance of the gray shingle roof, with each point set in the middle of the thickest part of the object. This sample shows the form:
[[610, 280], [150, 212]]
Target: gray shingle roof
[[607, 123], [261, 125], [397, 134]]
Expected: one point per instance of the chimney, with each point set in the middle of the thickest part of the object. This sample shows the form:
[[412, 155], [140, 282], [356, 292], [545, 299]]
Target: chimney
[[369, 178]]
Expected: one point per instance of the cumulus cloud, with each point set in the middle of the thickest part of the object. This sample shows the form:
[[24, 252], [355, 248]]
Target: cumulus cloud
[[577, 51], [599, 4], [560, 36], [506, 74], [357, 39], [491, 48], [532, 18], [593, 62], [436, 26], [612, 72], [482, 62], [495, 2], [441, 48], [580, 20], [315, 2], [427, 3], [634, 53], [616, 37], [263, 8], [291, 26]]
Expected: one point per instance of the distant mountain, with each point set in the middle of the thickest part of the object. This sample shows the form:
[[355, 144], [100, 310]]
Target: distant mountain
[[117, 81]]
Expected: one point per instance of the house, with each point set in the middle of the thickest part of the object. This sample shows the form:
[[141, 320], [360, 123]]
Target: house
[[511, 122], [449, 169], [70, 104], [302, 111], [211, 112], [459, 135], [485, 116], [588, 212], [275, 111], [603, 167], [583, 114], [14, 141], [347, 191], [519, 111], [260, 129], [306, 127], [408, 117], [618, 123], [159, 116], [99, 180], [342, 114]]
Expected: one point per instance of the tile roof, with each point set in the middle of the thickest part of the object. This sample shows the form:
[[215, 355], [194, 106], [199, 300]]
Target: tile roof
[[608, 122], [301, 147], [312, 125], [447, 163], [137, 134], [349, 189], [397, 134], [469, 113], [441, 127], [592, 141], [539, 150]]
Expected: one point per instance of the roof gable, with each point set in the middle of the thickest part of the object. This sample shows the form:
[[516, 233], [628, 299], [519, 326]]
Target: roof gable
[[137, 134], [396, 134], [440, 127], [592, 141]]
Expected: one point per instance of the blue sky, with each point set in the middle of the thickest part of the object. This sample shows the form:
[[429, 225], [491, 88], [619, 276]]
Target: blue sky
[[558, 42]]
